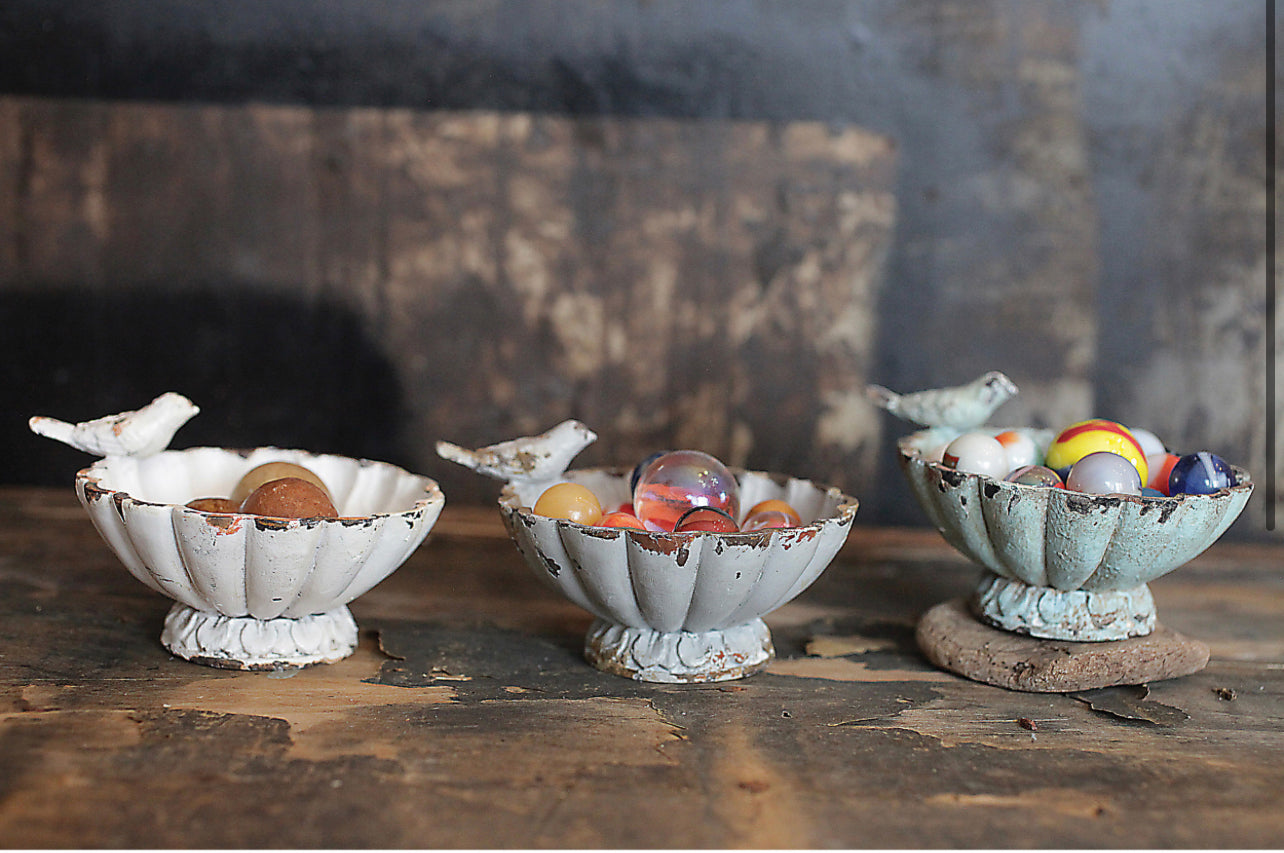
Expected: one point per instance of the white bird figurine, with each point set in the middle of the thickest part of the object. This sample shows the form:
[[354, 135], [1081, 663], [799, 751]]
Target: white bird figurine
[[962, 407], [142, 432], [534, 458]]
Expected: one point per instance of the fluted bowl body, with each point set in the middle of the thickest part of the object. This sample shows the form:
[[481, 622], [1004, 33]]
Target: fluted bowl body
[[1059, 538], [690, 582], [238, 565]]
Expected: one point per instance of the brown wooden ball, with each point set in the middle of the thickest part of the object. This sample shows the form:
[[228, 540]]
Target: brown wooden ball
[[214, 505], [290, 497], [270, 471]]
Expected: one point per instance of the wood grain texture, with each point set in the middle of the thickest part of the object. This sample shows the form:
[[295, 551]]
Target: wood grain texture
[[468, 718], [703, 284]]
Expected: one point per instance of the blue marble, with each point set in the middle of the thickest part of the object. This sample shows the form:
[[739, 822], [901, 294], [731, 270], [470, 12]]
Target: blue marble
[[1200, 473]]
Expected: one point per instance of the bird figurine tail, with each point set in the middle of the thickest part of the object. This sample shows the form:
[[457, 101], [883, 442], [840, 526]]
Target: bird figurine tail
[[52, 428]]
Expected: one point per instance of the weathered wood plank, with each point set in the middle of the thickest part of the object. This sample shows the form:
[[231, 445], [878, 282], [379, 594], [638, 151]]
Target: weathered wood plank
[[468, 718], [707, 284]]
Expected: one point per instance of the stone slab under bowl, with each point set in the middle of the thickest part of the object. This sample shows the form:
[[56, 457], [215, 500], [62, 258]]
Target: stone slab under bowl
[[952, 638]]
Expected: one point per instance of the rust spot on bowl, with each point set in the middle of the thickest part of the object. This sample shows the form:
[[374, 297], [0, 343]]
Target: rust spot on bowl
[[224, 523], [673, 546], [949, 477], [1085, 504], [272, 522], [1164, 506], [607, 533]]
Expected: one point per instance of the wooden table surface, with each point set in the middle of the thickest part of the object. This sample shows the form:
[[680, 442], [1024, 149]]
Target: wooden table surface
[[468, 718]]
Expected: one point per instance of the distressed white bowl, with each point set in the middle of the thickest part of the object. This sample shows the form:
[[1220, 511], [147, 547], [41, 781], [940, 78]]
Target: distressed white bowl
[[1064, 565], [680, 607], [255, 592]]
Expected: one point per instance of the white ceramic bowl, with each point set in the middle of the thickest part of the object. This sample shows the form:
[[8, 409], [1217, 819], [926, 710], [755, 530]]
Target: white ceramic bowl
[[255, 592], [1065, 565], [680, 607]]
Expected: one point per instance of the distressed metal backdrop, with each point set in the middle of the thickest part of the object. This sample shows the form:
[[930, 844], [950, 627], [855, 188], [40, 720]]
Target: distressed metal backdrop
[[362, 226]]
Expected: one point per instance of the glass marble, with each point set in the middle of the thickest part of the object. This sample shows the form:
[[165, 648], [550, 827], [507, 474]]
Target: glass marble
[[977, 453], [679, 480], [1148, 492], [1021, 449], [1200, 473], [1150, 443], [1036, 475], [1104, 473], [640, 467], [705, 519], [768, 519], [1161, 468], [621, 519], [1078, 440], [569, 501], [775, 505]]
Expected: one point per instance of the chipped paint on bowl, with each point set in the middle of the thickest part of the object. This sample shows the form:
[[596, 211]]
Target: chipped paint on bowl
[[1062, 541], [680, 607], [254, 592]]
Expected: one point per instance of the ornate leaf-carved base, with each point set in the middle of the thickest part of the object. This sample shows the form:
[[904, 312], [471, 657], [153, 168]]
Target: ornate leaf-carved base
[[1054, 614], [242, 642], [679, 657]]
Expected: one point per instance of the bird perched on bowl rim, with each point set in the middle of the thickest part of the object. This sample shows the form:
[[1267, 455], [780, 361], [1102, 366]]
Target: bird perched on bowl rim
[[140, 432], [960, 407], [533, 458]]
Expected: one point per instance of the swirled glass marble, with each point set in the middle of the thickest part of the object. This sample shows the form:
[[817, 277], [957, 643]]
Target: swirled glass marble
[[1200, 473], [679, 480], [1078, 440]]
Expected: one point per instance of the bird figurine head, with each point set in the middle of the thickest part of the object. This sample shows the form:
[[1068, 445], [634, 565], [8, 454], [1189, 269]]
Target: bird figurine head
[[996, 388]]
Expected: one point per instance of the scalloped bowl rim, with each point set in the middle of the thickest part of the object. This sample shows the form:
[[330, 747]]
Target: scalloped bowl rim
[[92, 476], [914, 455], [995, 539], [263, 567], [664, 583], [844, 509]]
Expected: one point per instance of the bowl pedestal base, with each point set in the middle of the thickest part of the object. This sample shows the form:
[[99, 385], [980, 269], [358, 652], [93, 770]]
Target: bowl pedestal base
[[243, 642], [955, 640], [679, 657], [1055, 614]]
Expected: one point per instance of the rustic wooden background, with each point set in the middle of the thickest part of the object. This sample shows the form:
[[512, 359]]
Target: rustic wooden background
[[363, 226]]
